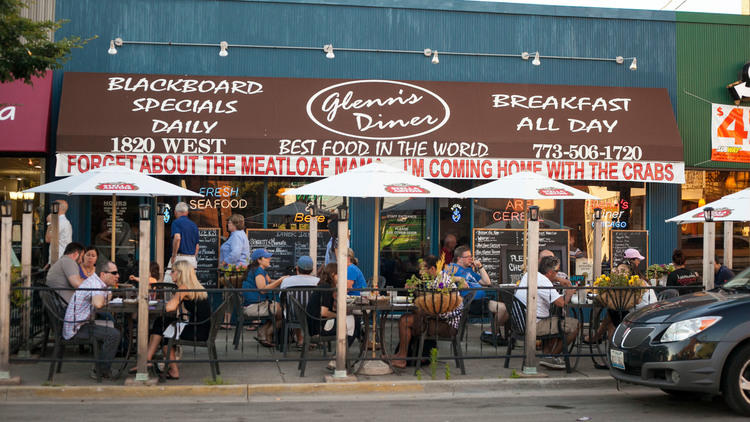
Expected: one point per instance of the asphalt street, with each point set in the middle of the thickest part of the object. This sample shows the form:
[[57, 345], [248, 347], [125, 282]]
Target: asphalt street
[[631, 404]]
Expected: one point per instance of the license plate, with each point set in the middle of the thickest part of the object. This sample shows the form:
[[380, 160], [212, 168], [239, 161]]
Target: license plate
[[617, 359]]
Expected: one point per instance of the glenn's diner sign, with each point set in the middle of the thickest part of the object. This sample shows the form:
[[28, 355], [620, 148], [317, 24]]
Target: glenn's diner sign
[[194, 125]]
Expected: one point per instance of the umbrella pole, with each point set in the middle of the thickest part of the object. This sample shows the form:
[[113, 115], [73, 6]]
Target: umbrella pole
[[114, 227]]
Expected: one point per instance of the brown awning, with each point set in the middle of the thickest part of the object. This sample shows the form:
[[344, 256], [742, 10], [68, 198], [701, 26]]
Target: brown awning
[[315, 127]]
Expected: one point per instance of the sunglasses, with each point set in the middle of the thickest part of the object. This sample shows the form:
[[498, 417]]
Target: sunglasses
[[113, 272]]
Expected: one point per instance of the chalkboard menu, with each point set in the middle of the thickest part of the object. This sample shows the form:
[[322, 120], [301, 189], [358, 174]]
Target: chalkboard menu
[[501, 251], [286, 246], [626, 239], [208, 257]]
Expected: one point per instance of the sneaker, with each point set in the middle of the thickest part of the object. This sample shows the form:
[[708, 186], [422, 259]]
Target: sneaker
[[553, 363], [331, 365], [105, 375]]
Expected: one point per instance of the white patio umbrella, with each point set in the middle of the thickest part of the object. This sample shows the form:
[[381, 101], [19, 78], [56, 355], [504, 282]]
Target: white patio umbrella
[[526, 185], [374, 180], [728, 208], [112, 180]]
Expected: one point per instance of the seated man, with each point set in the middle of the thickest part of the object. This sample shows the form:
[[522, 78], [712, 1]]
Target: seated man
[[64, 274], [411, 324], [476, 276], [546, 296], [302, 279], [79, 323]]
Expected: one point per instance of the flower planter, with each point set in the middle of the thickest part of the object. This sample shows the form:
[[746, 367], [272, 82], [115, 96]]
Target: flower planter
[[231, 279], [619, 299], [438, 303]]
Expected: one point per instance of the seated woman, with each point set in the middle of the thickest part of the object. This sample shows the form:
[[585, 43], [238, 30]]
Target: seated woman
[[411, 324], [260, 303], [198, 309], [87, 267], [681, 276], [154, 272], [322, 305], [628, 268]]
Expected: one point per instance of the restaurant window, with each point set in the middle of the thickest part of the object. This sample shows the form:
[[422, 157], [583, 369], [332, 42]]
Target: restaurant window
[[700, 188], [126, 233], [622, 205], [16, 175], [403, 238]]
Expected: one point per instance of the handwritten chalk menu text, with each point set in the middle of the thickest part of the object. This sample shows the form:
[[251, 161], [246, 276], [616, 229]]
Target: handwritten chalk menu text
[[501, 251], [286, 246], [208, 257], [626, 239]]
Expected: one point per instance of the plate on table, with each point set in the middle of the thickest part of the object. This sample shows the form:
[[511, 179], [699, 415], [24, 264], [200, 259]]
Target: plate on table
[[116, 301], [153, 302], [130, 300]]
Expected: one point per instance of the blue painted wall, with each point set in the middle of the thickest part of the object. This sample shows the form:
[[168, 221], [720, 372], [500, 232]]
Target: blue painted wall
[[386, 24]]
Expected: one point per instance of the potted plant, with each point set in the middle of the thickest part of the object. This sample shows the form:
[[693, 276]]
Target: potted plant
[[232, 275], [657, 273], [618, 291], [438, 295]]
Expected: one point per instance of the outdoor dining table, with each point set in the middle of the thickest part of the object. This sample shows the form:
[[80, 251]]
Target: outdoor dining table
[[127, 309], [376, 312], [587, 308]]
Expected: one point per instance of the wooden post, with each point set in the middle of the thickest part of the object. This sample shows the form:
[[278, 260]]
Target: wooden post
[[729, 244], [5, 248], [376, 253], [529, 364], [314, 239], [709, 252], [26, 227], [113, 232], [160, 243], [342, 251], [54, 244], [143, 274], [598, 249]]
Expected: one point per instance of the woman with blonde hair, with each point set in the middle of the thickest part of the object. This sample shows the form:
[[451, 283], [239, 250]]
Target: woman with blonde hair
[[193, 321]]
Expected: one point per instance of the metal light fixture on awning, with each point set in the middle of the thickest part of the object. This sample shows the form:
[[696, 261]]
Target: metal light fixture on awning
[[328, 49]]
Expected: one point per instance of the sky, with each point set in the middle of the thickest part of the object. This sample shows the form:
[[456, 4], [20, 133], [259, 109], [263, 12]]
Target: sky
[[705, 6]]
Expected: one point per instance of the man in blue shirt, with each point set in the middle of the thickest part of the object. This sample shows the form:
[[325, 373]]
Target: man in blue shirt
[[476, 276], [723, 274], [184, 237], [354, 277]]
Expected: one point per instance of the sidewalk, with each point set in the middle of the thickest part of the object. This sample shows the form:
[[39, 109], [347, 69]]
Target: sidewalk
[[249, 380]]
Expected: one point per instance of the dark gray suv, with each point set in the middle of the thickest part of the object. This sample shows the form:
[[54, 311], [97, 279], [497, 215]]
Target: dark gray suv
[[698, 343]]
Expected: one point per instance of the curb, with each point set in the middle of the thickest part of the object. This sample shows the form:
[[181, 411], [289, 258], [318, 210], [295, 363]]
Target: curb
[[248, 392]]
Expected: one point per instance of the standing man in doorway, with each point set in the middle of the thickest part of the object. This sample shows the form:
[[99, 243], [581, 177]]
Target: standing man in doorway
[[64, 231], [449, 244], [184, 237]]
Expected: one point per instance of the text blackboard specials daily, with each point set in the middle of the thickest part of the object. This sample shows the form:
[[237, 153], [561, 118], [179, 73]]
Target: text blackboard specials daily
[[286, 246], [208, 256], [501, 251], [626, 239]]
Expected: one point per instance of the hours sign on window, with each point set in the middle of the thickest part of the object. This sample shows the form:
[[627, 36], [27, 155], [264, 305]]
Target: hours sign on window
[[729, 138]]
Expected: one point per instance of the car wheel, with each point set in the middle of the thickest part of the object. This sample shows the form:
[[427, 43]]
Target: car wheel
[[682, 395], [736, 383]]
